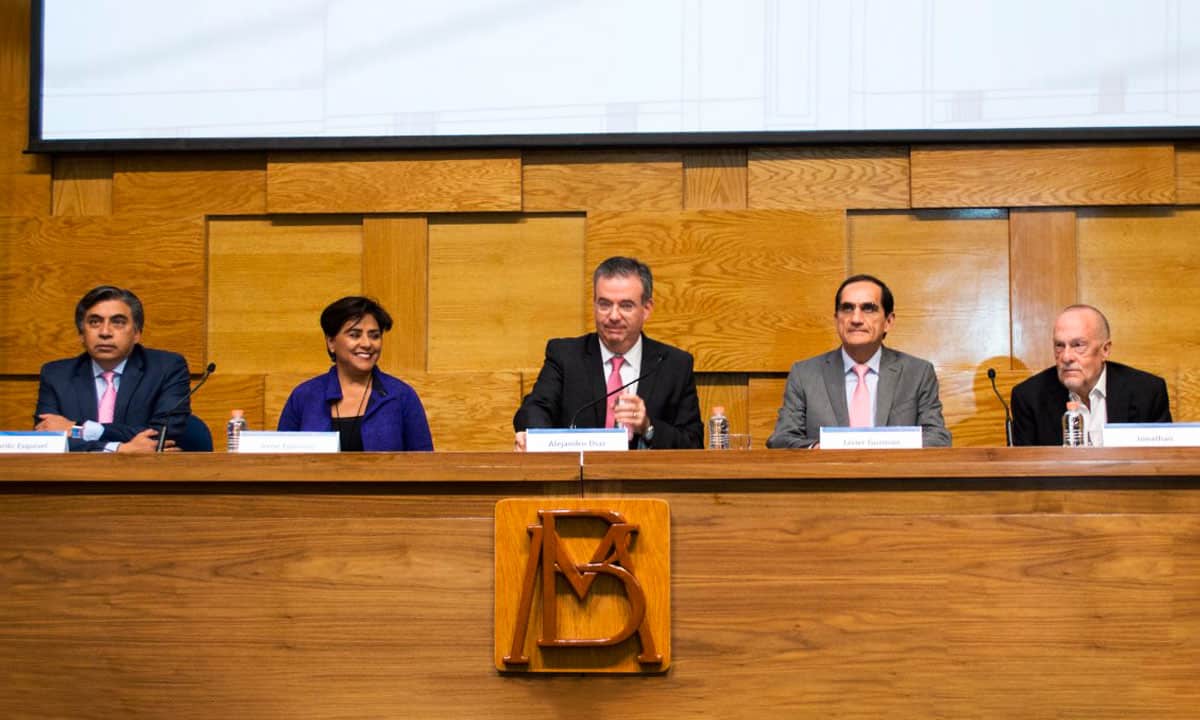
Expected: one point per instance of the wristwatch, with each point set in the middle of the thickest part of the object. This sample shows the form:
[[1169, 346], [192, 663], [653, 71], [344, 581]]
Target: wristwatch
[[649, 434], [76, 432]]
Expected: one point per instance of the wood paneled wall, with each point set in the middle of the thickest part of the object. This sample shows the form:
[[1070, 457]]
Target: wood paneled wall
[[481, 256]]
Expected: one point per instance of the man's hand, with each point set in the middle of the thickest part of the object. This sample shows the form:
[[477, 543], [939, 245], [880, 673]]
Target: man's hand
[[49, 422], [519, 442], [630, 411], [144, 442]]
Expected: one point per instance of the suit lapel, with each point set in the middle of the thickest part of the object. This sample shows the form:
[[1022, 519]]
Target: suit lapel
[[1119, 402], [889, 380], [646, 386], [594, 368], [835, 384], [130, 379], [84, 386]]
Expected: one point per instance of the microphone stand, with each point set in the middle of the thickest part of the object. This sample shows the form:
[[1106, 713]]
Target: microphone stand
[[162, 433], [991, 373]]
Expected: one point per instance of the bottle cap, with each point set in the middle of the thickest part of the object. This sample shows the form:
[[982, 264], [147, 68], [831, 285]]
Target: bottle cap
[[238, 413], [718, 410], [1072, 405]]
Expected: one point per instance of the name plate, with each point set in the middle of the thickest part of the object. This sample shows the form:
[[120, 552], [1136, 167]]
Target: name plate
[[31, 441], [898, 437], [262, 441], [576, 440], [1152, 434]]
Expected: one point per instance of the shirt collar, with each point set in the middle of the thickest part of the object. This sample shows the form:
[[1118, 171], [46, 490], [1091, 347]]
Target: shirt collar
[[873, 363], [633, 358], [97, 371]]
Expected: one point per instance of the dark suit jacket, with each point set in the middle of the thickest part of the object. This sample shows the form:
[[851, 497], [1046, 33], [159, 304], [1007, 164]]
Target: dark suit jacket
[[815, 396], [1038, 403], [573, 376], [153, 381]]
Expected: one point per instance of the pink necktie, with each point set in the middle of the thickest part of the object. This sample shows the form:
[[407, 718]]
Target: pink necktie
[[108, 401], [614, 382], [860, 401]]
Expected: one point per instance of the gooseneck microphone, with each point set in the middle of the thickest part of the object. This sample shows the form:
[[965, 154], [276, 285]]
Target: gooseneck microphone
[[1007, 414], [639, 378], [162, 432]]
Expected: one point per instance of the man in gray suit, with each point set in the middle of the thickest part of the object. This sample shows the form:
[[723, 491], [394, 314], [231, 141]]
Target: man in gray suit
[[862, 383]]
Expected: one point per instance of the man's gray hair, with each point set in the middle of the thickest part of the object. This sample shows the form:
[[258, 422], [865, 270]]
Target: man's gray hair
[[624, 267]]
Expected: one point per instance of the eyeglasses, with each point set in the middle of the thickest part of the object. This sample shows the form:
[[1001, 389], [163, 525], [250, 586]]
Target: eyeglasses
[[625, 307], [867, 308]]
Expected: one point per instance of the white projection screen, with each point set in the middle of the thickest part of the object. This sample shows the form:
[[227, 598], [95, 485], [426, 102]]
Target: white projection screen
[[113, 74]]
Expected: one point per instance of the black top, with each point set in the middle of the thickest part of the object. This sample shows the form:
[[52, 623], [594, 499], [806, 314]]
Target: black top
[[1038, 403], [349, 430]]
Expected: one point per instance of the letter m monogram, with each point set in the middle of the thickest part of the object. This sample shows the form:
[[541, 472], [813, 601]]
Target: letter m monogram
[[549, 558]]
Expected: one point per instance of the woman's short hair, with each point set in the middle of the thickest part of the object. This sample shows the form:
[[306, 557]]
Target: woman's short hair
[[352, 309]]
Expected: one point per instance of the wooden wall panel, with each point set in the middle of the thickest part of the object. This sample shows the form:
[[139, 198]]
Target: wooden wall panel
[[269, 280], [1042, 280], [1185, 396], [731, 391], [83, 185], [1042, 175], [765, 397], [602, 180], [500, 287], [1187, 173], [466, 411], [381, 182], [973, 414], [735, 288], [395, 268], [949, 275], [185, 184], [24, 179], [1140, 267], [714, 179], [469, 411], [216, 401], [829, 177], [18, 400], [47, 264]]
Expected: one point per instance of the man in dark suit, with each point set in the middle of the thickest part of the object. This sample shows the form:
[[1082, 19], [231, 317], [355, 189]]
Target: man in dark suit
[[1106, 391], [862, 383], [117, 394], [661, 409]]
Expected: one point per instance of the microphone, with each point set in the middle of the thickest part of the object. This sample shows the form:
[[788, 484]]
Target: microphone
[[1007, 415], [162, 433], [643, 376]]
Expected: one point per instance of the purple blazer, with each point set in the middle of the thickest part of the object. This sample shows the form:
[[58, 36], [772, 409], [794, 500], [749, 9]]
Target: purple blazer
[[394, 418]]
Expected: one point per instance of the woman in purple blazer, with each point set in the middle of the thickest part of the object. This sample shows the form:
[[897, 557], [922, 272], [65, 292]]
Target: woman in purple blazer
[[368, 408]]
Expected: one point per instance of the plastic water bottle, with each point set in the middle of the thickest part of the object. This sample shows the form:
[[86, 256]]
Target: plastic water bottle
[[233, 430], [1072, 426], [718, 429]]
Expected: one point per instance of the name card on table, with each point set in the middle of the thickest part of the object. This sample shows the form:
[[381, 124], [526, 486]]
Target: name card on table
[[31, 441], [898, 437], [1151, 435], [263, 441], [576, 439]]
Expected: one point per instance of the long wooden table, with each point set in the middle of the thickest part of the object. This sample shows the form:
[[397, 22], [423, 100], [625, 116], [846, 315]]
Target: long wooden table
[[997, 583]]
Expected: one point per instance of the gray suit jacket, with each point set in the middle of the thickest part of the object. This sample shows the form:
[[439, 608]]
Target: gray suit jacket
[[816, 396]]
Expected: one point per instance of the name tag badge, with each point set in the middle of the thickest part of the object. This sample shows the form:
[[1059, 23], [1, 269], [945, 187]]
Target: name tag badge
[[898, 437], [264, 441], [1151, 435], [576, 440], [32, 441]]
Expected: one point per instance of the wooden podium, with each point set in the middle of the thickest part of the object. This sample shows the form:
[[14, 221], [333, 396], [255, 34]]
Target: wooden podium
[[1027, 582]]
